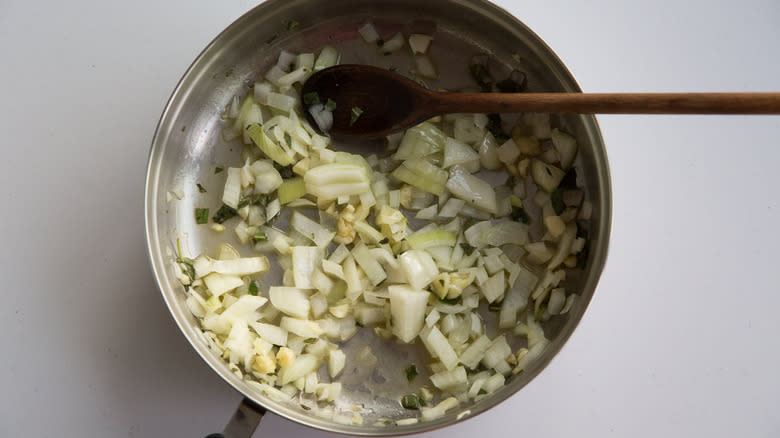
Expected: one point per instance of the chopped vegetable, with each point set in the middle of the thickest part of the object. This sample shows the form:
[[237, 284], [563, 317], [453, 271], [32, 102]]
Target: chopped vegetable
[[422, 174], [410, 401], [369, 33], [419, 43], [411, 372], [369, 242], [472, 190], [291, 189], [201, 215]]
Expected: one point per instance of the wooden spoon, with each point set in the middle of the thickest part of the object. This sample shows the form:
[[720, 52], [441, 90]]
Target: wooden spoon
[[372, 102]]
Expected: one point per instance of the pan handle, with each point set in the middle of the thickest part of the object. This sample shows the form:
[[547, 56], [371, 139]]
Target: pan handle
[[244, 421]]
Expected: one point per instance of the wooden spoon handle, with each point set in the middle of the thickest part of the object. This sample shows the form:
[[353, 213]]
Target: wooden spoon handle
[[607, 103]]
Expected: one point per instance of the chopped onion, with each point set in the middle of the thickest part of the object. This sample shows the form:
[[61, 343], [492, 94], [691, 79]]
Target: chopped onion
[[419, 268], [407, 307], [329, 181], [475, 352], [270, 333], [471, 189], [394, 43], [290, 300], [313, 231], [439, 347], [432, 238], [328, 57], [424, 67], [452, 381], [419, 43], [322, 117], [369, 264], [421, 174], [368, 32]]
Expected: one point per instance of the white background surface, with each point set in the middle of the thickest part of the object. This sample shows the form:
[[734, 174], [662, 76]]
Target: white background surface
[[681, 338]]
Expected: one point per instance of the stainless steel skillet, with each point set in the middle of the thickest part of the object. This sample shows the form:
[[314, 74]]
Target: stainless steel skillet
[[188, 145]]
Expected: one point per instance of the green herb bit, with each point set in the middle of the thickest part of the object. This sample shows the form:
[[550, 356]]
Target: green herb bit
[[260, 237], [202, 216], [495, 306], [410, 402], [284, 171], [330, 105], [256, 199], [451, 301], [423, 403], [519, 215], [229, 73], [411, 372], [469, 222], [224, 213], [387, 422], [556, 199], [218, 169], [292, 24], [183, 128], [201, 188], [311, 98], [287, 139], [254, 287], [305, 408], [467, 249], [309, 340], [481, 392], [356, 113]]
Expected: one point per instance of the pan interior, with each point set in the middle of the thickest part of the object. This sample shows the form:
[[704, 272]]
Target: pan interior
[[188, 146]]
